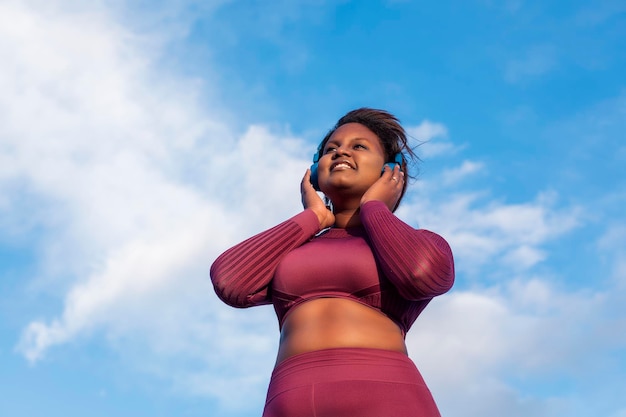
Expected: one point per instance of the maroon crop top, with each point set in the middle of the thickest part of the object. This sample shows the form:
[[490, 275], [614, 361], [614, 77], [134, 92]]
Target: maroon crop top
[[386, 264]]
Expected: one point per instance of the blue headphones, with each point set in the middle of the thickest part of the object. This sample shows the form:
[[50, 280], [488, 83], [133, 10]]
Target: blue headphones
[[398, 159]]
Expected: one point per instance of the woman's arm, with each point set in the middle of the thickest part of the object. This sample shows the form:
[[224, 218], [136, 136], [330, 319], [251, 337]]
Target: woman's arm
[[241, 275], [418, 262]]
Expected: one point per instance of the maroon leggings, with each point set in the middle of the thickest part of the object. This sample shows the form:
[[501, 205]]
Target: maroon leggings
[[348, 382]]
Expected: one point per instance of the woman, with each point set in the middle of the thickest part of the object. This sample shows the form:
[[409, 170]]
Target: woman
[[347, 283]]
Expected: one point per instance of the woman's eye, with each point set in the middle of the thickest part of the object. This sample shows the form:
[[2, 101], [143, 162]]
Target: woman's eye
[[359, 146], [329, 149]]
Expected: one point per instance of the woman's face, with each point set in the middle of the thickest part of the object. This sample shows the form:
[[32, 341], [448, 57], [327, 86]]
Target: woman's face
[[351, 160]]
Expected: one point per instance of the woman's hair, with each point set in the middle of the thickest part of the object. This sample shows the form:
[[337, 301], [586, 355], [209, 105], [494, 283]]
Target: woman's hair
[[392, 136]]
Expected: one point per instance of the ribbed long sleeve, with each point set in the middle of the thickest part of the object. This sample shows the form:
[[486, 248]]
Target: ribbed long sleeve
[[242, 274], [419, 263]]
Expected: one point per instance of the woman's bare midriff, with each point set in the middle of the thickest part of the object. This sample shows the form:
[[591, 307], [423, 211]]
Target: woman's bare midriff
[[326, 323]]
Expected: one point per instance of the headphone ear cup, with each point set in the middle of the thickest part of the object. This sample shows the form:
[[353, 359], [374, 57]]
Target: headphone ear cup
[[314, 178], [397, 160]]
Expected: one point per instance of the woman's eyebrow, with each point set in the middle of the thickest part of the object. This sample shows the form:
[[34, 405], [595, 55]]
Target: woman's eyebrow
[[336, 141]]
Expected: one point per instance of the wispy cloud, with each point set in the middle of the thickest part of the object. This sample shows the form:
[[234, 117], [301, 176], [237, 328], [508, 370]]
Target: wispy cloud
[[599, 12], [467, 168], [427, 130], [432, 138], [485, 231], [532, 63]]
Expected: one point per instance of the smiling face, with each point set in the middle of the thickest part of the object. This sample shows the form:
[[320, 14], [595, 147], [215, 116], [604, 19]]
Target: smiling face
[[350, 161]]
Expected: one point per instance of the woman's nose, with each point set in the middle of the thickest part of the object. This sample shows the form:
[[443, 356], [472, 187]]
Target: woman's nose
[[342, 150]]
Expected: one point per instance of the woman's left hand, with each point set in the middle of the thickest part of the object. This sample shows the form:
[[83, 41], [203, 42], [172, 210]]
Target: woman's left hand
[[387, 189]]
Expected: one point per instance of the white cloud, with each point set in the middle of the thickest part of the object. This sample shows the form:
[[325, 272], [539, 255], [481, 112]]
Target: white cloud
[[524, 257], [611, 246], [432, 138], [467, 168], [473, 345], [138, 187], [483, 231], [427, 130]]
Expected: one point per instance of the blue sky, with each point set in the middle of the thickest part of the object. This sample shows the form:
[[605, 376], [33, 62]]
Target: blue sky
[[138, 140]]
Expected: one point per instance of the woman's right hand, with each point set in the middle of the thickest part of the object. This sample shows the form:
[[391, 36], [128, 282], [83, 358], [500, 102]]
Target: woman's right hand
[[312, 200]]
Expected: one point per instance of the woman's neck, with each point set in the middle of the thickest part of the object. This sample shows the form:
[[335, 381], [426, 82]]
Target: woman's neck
[[347, 218]]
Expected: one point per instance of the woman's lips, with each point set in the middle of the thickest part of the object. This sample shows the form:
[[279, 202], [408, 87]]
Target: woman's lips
[[341, 165]]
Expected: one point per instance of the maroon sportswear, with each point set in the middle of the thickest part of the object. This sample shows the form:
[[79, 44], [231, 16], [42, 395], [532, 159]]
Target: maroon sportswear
[[385, 264]]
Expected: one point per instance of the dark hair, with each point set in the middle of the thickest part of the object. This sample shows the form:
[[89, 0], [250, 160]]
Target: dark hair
[[392, 136]]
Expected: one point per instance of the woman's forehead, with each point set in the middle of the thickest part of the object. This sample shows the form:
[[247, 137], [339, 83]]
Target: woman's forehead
[[352, 130]]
